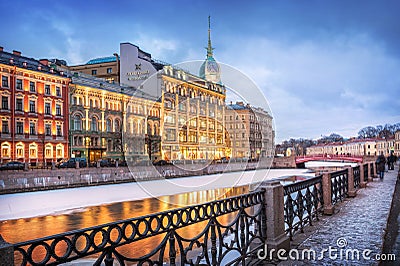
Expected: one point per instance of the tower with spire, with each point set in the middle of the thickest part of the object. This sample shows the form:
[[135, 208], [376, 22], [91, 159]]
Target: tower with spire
[[210, 69]]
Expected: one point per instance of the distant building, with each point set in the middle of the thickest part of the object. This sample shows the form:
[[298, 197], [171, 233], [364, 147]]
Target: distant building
[[250, 131], [397, 143], [34, 110]]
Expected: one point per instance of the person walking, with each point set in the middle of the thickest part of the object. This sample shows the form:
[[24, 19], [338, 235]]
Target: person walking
[[391, 160], [380, 165]]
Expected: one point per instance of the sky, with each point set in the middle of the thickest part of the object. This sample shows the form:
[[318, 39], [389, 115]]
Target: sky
[[323, 66]]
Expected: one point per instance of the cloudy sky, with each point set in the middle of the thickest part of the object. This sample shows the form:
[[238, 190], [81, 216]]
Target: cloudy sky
[[324, 66]]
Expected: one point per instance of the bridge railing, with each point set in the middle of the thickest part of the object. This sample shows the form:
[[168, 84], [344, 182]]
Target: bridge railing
[[216, 242], [339, 185], [303, 202], [356, 174]]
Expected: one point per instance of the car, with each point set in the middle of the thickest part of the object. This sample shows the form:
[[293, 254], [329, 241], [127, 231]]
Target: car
[[14, 165], [71, 163], [161, 162]]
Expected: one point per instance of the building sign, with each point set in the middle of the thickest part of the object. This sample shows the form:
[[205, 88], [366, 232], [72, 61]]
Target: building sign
[[138, 74]]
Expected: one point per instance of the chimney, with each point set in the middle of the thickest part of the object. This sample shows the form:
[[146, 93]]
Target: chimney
[[17, 53], [1, 48], [44, 62]]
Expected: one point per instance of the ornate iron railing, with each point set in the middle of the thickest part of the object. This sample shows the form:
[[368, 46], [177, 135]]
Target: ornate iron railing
[[356, 175], [303, 201], [339, 185], [217, 244], [365, 172]]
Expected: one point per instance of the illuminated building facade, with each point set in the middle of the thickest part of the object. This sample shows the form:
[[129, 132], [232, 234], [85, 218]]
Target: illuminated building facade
[[111, 121], [34, 110], [250, 131]]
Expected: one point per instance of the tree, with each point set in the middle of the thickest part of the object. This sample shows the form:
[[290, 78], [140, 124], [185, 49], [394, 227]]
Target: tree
[[367, 132]]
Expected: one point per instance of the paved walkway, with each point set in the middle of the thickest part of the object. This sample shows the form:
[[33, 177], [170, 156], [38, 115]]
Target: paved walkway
[[354, 235]]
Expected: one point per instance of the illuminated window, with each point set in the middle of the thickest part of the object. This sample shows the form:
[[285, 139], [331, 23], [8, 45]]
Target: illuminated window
[[5, 150], [32, 150], [47, 89], [77, 122], [94, 124], [20, 128], [48, 151], [4, 102], [32, 86], [59, 151], [19, 84], [20, 150], [4, 81]]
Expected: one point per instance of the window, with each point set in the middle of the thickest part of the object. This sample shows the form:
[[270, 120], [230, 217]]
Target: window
[[59, 151], [4, 81], [32, 86], [109, 125], [20, 127], [19, 104], [32, 150], [47, 129], [58, 109], [77, 121], [4, 102], [47, 108], [59, 131], [117, 125], [93, 125], [94, 72], [32, 128], [58, 91], [47, 89], [48, 151], [4, 127], [109, 70], [32, 106], [5, 150], [19, 84], [20, 150]]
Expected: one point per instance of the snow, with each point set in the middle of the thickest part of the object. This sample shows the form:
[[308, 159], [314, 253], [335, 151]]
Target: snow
[[32, 204]]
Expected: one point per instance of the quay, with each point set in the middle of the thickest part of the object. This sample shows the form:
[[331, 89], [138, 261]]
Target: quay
[[346, 217]]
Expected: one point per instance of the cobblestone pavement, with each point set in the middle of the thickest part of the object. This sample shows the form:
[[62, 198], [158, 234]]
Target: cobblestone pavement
[[357, 226]]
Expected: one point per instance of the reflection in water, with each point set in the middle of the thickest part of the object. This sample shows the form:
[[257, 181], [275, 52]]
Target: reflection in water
[[20, 230]]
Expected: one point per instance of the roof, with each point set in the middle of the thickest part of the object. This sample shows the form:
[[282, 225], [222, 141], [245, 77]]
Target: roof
[[237, 107], [100, 60]]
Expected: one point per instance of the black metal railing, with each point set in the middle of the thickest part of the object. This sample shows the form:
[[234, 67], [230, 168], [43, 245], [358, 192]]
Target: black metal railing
[[371, 167], [303, 201], [356, 175], [365, 172], [218, 243], [339, 185]]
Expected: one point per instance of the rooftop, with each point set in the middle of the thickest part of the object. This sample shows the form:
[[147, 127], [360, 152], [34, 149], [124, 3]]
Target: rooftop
[[100, 60]]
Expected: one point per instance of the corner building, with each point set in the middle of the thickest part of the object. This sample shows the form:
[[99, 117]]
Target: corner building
[[34, 110]]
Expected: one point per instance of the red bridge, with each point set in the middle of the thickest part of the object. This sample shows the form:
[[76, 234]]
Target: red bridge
[[327, 157]]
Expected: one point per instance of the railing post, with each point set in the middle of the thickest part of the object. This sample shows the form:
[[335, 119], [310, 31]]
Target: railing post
[[363, 184], [6, 253], [350, 184], [370, 174], [327, 193], [276, 237]]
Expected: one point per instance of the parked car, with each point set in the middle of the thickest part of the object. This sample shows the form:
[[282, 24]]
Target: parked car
[[71, 163], [161, 162], [15, 165]]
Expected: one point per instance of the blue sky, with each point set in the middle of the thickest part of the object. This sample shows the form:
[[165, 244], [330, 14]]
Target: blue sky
[[324, 66]]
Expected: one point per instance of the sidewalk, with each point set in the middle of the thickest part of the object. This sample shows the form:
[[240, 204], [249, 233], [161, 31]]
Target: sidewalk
[[354, 235]]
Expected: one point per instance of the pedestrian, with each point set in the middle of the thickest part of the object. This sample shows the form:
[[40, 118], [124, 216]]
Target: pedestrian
[[391, 160], [380, 165]]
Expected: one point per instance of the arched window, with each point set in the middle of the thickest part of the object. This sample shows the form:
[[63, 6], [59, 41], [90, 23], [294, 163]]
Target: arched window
[[94, 124], [5, 150], [20, 150], [109, 125], [60, 151], [117, 125], [77, 122], [33, 150], [48, 150]]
